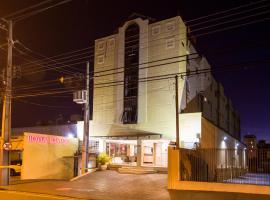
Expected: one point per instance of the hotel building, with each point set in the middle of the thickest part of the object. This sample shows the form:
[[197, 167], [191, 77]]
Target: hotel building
[[134, 112]]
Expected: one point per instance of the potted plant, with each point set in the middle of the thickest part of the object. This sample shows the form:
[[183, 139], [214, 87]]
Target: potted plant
[[103, 159]]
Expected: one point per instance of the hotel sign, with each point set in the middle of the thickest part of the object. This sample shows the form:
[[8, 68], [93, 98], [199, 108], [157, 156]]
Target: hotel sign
[[46, 139]]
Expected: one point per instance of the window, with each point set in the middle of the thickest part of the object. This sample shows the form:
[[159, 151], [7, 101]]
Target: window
[[155, 30], [111, 43], [170, 26], [93, 146], [170, 43], [101, 46], [131, 75], [100, 59]]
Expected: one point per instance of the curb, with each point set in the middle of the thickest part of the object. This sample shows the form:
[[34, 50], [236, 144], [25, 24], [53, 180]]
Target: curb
[[85, 174]]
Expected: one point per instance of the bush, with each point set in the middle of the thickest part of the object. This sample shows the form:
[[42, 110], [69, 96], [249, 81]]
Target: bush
[[103, 159]]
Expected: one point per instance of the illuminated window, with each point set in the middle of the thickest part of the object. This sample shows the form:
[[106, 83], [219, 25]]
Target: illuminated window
[[170, 43], [155, 30]]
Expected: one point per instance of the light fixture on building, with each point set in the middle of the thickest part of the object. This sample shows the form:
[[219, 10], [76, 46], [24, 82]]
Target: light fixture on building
[[225, 138], [80, 96], [205, 99], [70, 135]]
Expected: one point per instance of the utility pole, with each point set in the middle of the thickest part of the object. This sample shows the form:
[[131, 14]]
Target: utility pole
[[176, 112], [85, 147], [6, 114]]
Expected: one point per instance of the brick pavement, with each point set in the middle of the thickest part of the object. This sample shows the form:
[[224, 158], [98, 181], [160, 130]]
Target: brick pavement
[[105, 185]]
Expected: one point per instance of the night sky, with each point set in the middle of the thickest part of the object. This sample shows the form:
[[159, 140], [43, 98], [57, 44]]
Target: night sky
[[77, 24]]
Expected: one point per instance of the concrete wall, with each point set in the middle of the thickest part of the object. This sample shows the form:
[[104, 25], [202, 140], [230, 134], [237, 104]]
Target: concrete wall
[[48, 157], [190, 129], [194, 128]]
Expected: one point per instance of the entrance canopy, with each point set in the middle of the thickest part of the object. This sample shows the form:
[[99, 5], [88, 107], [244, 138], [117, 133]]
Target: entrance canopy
[[124, 132]]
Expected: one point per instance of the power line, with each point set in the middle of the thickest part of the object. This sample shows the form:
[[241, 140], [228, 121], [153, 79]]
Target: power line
[[231, 27], [60, 56], [47, 68], [26, 9], [218, 30], [233, 20], [225, 11], [147, 79], [142, 64], [42, 105], [72, 78], [21, 17], [228, 15], [214, 25]]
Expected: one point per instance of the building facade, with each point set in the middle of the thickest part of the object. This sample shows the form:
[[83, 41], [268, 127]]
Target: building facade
[[134, 112]]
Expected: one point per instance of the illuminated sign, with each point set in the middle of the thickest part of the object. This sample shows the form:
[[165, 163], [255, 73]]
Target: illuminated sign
[[7, 146], [46, 139]]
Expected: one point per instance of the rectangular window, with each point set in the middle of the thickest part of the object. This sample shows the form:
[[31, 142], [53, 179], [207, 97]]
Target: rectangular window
[[100, 59], [111, 43], [170, 26], [155, 30], [101, 46], [170, 43]]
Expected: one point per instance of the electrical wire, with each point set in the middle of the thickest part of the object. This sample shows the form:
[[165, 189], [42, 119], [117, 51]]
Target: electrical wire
[[50, 59], [225, 11], [21, 17], [42, 105], [228, 15], [231, 27], [47, 68], [26, 9], [148, 79], [233, 20]]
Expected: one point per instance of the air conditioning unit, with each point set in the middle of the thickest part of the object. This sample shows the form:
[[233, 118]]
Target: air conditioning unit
[[80, 96]]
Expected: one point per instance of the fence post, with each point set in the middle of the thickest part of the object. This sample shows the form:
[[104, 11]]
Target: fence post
[[173, 167]]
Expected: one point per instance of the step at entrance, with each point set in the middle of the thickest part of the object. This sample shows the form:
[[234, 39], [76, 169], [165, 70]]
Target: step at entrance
[[136, 170]]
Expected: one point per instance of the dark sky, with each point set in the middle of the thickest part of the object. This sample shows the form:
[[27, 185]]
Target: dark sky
[[75, 25]]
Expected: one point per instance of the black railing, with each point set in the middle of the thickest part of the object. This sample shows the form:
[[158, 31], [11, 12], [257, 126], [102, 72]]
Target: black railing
[[225, 165]]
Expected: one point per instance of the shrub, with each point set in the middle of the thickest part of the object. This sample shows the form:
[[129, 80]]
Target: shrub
[[103, 159]]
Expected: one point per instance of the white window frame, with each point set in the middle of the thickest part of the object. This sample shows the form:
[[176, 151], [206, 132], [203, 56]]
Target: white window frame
[[170, 40], [102, 57], [154, 28]]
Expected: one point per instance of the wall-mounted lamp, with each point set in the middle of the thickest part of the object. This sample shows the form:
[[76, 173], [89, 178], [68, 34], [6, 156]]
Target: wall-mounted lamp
[[225, 138], [70, 135]]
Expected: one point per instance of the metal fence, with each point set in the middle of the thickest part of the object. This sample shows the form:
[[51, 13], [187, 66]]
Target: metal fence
[[225, 165]]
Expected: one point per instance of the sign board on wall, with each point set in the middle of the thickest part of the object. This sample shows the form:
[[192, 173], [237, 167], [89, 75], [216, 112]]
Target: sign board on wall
[[45, 156]]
